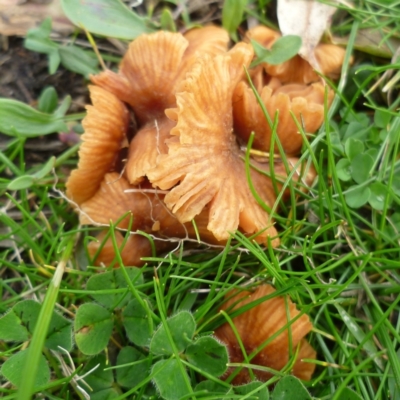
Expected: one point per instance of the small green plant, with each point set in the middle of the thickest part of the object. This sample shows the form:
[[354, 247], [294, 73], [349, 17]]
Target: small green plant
[[364, 150], [164, 353]]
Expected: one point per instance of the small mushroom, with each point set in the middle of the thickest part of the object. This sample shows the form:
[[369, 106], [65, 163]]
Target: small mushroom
[[297, 70], [258, 331], [303, 103], [204, 164]]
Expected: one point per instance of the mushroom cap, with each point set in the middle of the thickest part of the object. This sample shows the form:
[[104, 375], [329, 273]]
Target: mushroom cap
[[144, 148], [154, 64], [306, 103], [260, 324], [146, 209], [297, 70], [105, 128], [149, 73], [204, 163]]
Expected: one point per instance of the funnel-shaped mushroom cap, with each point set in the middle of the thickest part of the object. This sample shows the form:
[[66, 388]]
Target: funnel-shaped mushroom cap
[[306, 103], [297, 70], [204, 164], [149, 74], [154, 64], [105, 127], [261, 323]]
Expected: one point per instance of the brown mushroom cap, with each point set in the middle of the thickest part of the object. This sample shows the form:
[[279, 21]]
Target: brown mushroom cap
[[204, 163], [297, 70], [261, 323], [105, 128], [306, 103]]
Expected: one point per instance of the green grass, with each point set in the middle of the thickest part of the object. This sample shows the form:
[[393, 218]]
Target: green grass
[[338, 262]]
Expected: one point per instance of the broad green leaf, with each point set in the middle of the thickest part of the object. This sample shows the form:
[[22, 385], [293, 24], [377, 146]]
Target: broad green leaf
[[132, 375], [396, 184], [169, 380], [78, 60], [19, 323], [12, 329], [22, 182], [167, 20], [369, 346], [101, 378], [181, 327], [105, 17], [136, 322], [361, 166], [26, 181], [12, 369], [282, 50], [208, 355], [45, 169], [232, 15], [93, 328], [373, 152], [111, 281], [382, 119], [290, 388], [212, 387], [105, 394], [38, 40], [378, 195], [343, 169], [353, 147], [348, 394], [357, 196], [63, 107], [48, 100], [356, 130], [18, 119], [261, 393]]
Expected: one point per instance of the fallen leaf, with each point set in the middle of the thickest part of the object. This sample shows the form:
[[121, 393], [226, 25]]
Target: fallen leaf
[[307, 19]]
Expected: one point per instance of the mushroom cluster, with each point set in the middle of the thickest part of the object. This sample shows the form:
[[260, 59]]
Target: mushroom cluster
[[270, 333], [162, 151]]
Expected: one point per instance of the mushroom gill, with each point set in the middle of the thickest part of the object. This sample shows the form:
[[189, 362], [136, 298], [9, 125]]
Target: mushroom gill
[[297, 70], [270, 332], [293, 102], [105, 126], [148, 75], [204, 164]]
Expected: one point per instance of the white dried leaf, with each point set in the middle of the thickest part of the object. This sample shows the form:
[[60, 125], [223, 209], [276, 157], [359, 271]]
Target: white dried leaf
[[307, 19]]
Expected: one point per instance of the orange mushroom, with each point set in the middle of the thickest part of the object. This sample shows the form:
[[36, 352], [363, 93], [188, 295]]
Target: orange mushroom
[[297, 70], [270, 333], [190, 150], [204, 163], [292, 102]]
